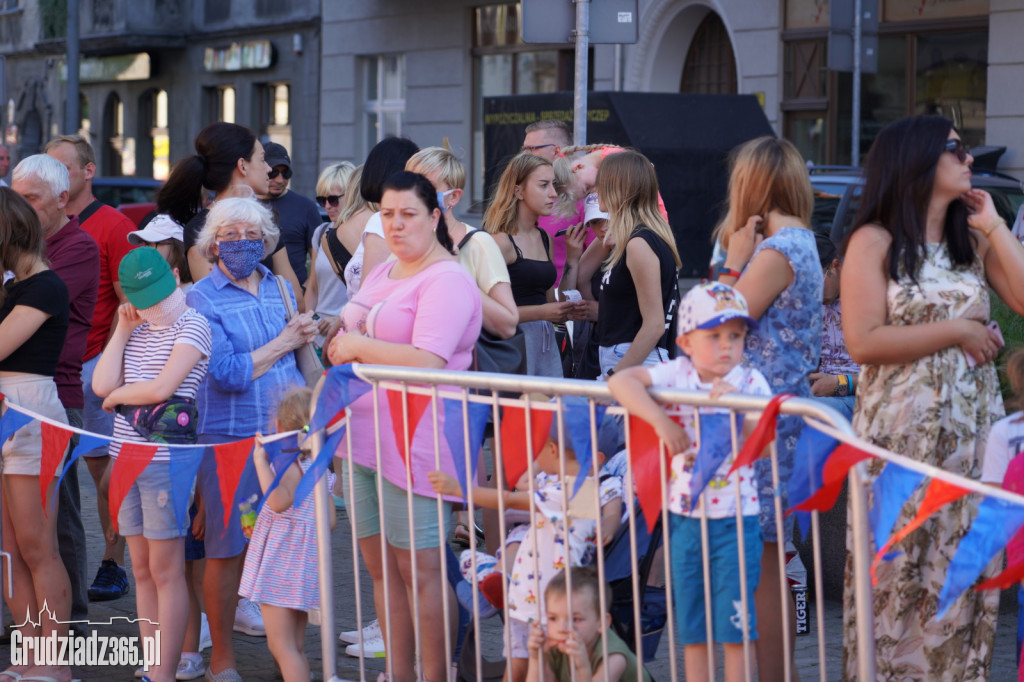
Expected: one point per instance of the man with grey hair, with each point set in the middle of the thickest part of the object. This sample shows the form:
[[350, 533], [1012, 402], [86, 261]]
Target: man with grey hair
[[75, 257]]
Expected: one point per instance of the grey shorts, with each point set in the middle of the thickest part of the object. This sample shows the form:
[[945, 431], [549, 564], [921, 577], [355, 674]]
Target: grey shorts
[[148, 508]]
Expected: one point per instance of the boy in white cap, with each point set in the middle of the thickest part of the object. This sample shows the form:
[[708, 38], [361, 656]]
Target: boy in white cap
[[713, 324]]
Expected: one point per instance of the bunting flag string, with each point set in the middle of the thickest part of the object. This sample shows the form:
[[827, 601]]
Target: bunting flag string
[[281, 454], [1013, 480], [644, 450], [184, 466], [513, 438], [132, 459], [417, 405], [892, 489], [55, 446], [87, 442], [938, 494], [340, 389], [997, 521], [834, 473], [231, 461], [577, 424], [318, 466], [813, 449], [763, 434], [11, 421], [454, 430], [714, 448]]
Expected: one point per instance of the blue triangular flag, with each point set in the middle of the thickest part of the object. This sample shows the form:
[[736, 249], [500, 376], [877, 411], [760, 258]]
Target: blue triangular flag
[[87, 442], [454, 434], [281, 453], [340, 389], [318, 467], [715, 447], [184, 465], [577, 423], [11, 422], [813, 449], [890, 490], [996, 523]]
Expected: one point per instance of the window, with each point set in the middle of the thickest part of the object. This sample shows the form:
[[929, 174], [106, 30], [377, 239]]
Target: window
[[710, 68], [160, 137], [505, 65], [274, 113], [383, 98], [9, 5], [220, 103]]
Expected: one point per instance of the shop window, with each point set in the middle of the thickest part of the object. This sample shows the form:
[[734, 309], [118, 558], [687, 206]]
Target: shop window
[[274, 113], [220, 103], [952, 79], [710, 67], [383, 98]]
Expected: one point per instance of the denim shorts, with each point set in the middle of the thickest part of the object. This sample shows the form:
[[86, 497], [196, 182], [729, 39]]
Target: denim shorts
[[609, 356], [148, 508], [223, 541], [94, 418], [726, 599], [365, 510]]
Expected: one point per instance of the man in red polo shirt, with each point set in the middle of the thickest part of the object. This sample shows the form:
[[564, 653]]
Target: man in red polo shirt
[[110, 228], [75, 258]]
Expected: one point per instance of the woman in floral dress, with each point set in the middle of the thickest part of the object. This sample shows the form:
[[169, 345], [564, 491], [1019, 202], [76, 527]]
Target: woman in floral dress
[[924, 252]]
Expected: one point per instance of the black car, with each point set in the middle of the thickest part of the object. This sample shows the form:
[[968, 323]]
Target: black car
[[115, 191]]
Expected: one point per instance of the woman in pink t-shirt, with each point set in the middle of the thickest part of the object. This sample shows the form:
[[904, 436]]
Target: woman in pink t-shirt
[[421, 310]]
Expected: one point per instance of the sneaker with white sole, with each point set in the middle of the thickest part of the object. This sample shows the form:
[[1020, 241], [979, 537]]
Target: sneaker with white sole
[[371, 631], [372, 648], [249, 619], [190, 667], [205, 641]]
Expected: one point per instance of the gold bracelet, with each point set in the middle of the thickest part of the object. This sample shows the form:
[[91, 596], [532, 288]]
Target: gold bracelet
[[995, 224]]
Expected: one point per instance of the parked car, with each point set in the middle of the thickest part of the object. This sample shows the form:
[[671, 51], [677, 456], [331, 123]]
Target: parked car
[[135, 197], [837, 191]]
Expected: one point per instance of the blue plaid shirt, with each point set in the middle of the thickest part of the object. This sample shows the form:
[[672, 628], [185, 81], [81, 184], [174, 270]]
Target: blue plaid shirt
[[230, 401]]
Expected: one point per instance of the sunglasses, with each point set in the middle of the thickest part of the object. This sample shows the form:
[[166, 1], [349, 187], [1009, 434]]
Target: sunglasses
[[287, 173], [332, 200], [533, 149], [958, 149]]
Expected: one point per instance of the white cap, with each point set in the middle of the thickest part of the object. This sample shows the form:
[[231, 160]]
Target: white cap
[[592, 209], [710, 304], [159, 228]]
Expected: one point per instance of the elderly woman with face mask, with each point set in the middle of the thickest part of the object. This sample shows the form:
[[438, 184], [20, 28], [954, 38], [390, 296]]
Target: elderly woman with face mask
[[251, 366]]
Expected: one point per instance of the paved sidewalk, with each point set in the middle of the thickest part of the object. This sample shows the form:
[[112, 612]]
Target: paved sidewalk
[[256, 664]]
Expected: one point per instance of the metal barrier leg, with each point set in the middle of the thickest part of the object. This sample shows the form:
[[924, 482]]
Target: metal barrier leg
[[863, 597]]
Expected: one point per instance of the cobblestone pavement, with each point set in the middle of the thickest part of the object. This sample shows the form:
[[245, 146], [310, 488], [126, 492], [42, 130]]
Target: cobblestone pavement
[[256, 664]]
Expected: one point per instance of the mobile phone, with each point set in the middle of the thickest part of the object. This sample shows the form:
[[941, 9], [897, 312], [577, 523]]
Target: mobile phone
[[561, 233]]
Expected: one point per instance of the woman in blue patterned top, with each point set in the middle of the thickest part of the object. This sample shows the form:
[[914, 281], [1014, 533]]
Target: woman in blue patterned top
[[772, 259], [252, 366]]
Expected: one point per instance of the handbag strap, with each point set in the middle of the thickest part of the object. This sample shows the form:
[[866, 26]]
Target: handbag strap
[[466, 238], [289, 311]]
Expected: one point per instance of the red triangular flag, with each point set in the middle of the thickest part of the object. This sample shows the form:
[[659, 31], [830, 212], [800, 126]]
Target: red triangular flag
[[55, 444], [938, 495], [1010, 576], [132, 459], [513, 438], [764, 433], [231, 459], [417, 406], [644, 446], [837, 466]]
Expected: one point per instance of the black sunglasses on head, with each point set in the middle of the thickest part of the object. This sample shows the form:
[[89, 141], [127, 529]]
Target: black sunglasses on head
[[332, 199], [958, 149], [287, 173]]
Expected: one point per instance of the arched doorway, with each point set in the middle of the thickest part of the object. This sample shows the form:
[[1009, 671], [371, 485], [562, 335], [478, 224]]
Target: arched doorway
[[152, 155], [710, 66], [113, 135]]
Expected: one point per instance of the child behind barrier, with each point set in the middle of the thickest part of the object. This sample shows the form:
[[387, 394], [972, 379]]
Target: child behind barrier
[[150, 373], [529, 574], [280, 567], [713, 323], [572, 640]]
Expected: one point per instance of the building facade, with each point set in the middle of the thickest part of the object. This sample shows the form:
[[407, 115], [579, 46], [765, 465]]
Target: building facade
[[154, 72], [423, 69]]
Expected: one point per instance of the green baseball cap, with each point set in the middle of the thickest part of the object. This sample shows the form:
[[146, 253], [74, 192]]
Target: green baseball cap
[[146, 278]]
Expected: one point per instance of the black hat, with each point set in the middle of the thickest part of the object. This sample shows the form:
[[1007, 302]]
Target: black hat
[[276, 155]]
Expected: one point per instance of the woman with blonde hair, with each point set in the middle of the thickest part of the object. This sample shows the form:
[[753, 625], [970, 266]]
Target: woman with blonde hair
[[525, 192], [326, 292], [640, 283], [772, 259]]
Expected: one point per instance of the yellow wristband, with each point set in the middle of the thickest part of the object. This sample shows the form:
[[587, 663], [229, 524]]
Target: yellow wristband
[[995, 223]]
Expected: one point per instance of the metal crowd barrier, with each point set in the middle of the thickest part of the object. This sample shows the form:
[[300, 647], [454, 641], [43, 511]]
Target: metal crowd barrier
[[472, 387]]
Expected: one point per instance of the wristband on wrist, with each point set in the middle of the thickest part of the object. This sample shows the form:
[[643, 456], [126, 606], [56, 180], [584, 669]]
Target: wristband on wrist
[[843, 385], [993, 226], [728, 272]]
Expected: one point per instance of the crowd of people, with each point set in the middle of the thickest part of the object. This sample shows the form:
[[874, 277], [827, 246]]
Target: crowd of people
[[185, 332]]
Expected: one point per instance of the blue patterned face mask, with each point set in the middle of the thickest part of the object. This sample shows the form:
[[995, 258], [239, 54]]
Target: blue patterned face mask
[[241, 257]]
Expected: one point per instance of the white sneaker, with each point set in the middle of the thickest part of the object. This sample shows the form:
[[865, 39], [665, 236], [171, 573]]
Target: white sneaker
[[190, 667], [372, 648], [205, 641], [371, 631], [141, 672], [249, 619]]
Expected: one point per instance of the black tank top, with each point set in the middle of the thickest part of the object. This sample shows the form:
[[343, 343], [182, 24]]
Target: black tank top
[[531, 279]]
